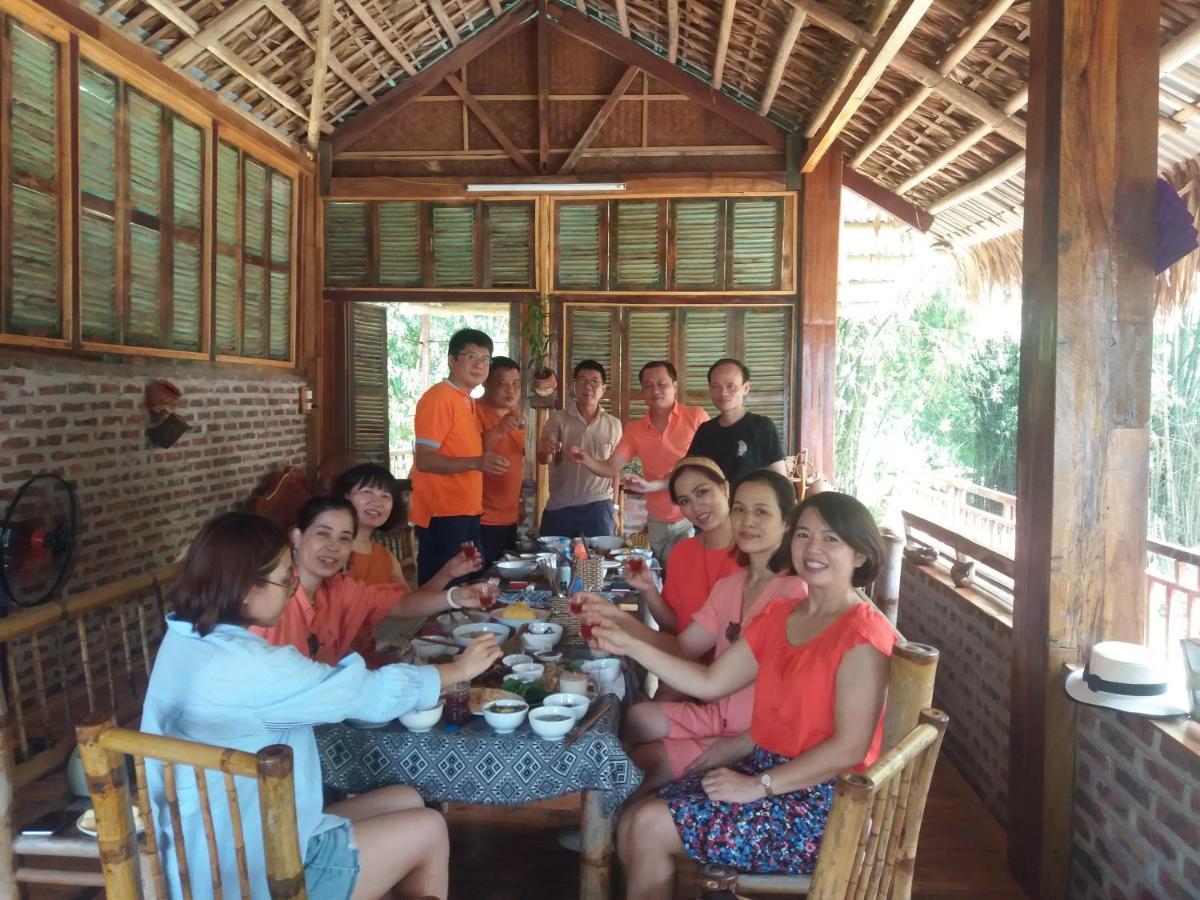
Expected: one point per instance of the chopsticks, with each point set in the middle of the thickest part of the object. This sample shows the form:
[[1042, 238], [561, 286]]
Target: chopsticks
[[599, 708], [434, 639]]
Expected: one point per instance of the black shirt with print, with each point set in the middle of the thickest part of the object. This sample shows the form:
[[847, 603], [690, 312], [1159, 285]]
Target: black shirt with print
[[750, 443]]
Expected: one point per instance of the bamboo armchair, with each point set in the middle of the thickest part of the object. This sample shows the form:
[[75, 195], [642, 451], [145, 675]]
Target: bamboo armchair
[[104, 748], [58, 662], [870, 841]]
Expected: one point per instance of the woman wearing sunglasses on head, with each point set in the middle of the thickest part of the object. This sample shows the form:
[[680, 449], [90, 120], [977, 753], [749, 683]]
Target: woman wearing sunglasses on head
[[217, 682]]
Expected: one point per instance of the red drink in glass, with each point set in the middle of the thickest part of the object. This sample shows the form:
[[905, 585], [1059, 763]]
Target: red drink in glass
[[585, 631], [487, 597], [457, 700], [637, 565], [470, 549], [576, 605], [576, 454]]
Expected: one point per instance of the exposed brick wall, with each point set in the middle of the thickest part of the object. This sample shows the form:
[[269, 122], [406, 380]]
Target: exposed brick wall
[[141, 504], [1136, 829], [973, 678]]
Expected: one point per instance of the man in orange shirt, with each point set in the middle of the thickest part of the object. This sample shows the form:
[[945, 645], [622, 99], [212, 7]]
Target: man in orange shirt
[[503, 434], [660, 439], [449, 457]]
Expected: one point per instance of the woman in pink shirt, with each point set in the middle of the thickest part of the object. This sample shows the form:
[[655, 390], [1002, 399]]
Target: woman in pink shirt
[[328, 608], [670, 739]]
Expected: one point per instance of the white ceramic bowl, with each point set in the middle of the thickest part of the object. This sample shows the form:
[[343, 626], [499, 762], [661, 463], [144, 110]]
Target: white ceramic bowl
[[552, 723], [418, 721], [515, 659], [430, 649], [451, 620], [515, 568], [552, 540], [464, 633], [505, 722], [541, 636], [604, 673], [366, 723], [577, 703], [547, 656], [606, 543], [528, 672]]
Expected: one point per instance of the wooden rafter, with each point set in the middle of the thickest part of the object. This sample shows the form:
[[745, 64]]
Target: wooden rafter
[[782, 54], [981, 185], [722, 51], [293, 24], [623, 18], [886, 200], [214, 29], [439, 13], [878, 58], [964, 45], [598, 121], [485, 118], [425, 79], [320, 64], [849, 67], [380, 35], [672, 30], [543, 88], [495, 6]]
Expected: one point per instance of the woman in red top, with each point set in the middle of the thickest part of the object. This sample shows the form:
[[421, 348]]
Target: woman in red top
[[698, 487], [822, 667]]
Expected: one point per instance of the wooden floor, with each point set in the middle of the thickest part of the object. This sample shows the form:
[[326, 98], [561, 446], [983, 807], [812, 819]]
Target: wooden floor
[[502, 854]]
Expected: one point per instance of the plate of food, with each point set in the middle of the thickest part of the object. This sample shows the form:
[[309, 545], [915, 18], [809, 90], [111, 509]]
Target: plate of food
[[482, 696], [87, 821]]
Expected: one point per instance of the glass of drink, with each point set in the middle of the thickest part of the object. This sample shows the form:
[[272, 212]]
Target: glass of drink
[[586, 630], [469, 549], [576, 605], [457, 699], [558, 452], [637, 565], [489, 591], [576, 454]]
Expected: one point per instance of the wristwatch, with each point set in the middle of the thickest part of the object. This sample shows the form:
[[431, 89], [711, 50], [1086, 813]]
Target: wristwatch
[[765, 781]]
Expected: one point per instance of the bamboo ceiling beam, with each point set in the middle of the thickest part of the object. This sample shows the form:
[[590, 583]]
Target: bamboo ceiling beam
[[380, 35], [298, 28], [598, 121], [439, 13], [849, 66], [722, 51], [320, 64], [908, 14], [581, 6], [214, 29], [433, 74], [964, 45], [672, 30], [543, 88], [495, 7], [964, 98], [783, 53], [623, 18], [981, 185], [493, 127], [886, 200]]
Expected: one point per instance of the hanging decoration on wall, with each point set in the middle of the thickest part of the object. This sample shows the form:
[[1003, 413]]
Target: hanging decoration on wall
[[165, 426]]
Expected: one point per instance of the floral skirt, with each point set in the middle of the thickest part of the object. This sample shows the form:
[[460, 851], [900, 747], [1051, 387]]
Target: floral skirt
[[773, 835]]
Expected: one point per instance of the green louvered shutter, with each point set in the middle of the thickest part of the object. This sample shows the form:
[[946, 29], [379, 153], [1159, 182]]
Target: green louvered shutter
[[145, 183], [345, 242], [705, 340], [400, 244], [767, 336], [188, 177], [453, 245], [254, 287], [755, 236], [510, 244], [579, 247], [638, 245], [367, 328], [650, 333], [225, 293], [593, 333], [98, 184], [36, 306], [697, 235], [280, 300]]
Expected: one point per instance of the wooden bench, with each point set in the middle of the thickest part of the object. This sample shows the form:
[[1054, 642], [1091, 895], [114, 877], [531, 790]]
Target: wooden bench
[[58, 664]]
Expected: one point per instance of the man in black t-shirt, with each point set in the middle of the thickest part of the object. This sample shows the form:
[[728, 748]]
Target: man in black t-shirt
[[738, 441]]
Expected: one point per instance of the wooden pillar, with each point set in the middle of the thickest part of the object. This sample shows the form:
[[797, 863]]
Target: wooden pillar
[[820, 205], [1082, 452]]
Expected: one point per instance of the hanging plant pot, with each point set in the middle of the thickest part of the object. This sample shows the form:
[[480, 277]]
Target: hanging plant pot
[[543, 384]]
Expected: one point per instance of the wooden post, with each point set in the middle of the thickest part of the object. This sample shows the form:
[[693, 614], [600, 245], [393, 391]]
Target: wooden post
[[887, 585], [595, 848], [281, 840], [817, 282], [1082, 452], [8, 863], [109, 788]]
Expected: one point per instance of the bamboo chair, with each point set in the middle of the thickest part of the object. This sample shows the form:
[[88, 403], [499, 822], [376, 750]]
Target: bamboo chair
[[103, 748], [870, 840]]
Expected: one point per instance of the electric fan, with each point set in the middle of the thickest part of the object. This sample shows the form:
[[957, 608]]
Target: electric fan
[[37, 538]]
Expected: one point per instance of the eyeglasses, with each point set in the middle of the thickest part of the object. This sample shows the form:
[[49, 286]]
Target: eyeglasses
[[474, 358], [290, 585], [589, 382]]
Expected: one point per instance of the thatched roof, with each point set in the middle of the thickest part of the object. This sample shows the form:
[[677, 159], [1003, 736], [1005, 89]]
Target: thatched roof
[[942, 123]]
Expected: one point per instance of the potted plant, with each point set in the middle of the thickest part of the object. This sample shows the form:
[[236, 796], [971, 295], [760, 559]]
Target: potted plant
[[542, 381]]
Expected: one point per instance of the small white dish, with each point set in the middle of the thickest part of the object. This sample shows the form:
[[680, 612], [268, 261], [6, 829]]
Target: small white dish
[[419, 721], [464, 633], [603, 673], [606, 543], [516, 659], [547, 656], [541, 636], [577, 703], [528, 672], [87, 821], [551, 723], [515, 568], [451, 620], [431, 649], [505, 716]]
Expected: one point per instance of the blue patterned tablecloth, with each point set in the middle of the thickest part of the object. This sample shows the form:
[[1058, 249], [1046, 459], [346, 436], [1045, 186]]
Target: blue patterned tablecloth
[[476, 765]]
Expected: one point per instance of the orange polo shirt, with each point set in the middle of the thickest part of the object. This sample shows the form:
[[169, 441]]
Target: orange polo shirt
[[659, 451], [445, 420], [502, 493], [340, 609]]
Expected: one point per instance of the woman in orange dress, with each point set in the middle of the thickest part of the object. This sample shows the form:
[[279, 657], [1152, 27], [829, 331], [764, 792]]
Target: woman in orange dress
[[821, 669]]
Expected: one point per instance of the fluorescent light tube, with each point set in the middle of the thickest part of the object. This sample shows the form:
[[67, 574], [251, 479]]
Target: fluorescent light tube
[[547, 187]]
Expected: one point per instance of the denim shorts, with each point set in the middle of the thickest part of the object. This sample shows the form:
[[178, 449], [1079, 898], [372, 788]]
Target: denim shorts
[[331, 863]]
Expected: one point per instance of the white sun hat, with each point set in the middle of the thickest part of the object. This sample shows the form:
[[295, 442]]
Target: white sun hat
[[1128, 678]]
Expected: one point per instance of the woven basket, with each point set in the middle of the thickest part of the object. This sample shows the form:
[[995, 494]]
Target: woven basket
[[639, 540]]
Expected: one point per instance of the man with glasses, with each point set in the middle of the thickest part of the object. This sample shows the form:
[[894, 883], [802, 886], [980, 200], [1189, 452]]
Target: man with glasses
[[449, 457], [580, 502], [660, 439], [738, 440]]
